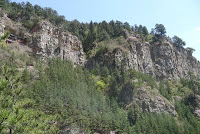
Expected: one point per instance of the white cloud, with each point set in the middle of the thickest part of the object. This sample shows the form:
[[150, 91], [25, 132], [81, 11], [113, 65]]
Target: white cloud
[[198, 29]]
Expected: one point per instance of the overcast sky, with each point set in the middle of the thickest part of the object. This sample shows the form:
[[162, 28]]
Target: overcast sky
[[180, 17]]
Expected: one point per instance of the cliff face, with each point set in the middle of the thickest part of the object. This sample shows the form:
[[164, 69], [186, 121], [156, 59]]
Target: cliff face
[[172, 62], [164, 61], [49, 41], [46, 40]]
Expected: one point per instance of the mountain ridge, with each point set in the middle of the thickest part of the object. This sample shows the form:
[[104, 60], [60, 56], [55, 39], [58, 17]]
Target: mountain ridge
[[162, 60], [109, 78]]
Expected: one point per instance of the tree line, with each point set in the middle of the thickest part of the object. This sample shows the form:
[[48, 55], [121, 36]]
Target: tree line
[[89, 33]]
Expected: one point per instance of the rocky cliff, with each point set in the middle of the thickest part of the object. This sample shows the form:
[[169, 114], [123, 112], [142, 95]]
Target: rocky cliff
[[147, 98], [164, 60], [49, 41], [46, 40]]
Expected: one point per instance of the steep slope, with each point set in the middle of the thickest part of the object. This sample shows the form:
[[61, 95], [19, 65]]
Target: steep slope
[[49, 41], [117, 93], [163, 60], [46, 40]]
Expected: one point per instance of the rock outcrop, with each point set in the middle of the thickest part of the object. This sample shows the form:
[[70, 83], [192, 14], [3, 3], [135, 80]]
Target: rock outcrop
[[173, 62], [6, 24], [152, 102], [49, 41], [164, 61], [46, 40], [148, 99], [197, 104]]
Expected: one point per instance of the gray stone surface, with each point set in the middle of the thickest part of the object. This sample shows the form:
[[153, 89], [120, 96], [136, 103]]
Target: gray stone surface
[[50, 41], [148, 99], [165, 61], [47, 41]]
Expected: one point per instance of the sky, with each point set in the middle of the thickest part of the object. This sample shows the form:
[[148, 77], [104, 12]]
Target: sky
[[180, 17]]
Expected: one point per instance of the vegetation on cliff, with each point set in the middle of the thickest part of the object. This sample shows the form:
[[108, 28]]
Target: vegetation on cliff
[[62, 96], [89, 33], [55, 96]]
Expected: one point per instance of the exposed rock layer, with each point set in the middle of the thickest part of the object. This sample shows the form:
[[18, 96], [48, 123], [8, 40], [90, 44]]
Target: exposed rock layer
[[50, 41], [164, 61], [46, 40], [148, 99]]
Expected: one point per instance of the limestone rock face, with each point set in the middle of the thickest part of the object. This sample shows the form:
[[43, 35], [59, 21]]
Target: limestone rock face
[[139, 58], [3, 22], [172, 62], [164, 61], [46, 40], [50, 41]]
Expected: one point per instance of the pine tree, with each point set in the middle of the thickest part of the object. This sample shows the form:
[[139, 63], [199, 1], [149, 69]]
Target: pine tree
[[10, 87], [2, 3]]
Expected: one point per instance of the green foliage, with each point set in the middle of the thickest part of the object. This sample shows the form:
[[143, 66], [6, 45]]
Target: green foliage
[[96, 100], [157, 124], [132, 74], [63, 96], [1, 13], [6, 35], [182, 88], [190, 123], [178, 41], [192, 83], [160, 29], [165, 90], [17, 112], [140, 30], [3, 3], [72, 91], [100, 85]]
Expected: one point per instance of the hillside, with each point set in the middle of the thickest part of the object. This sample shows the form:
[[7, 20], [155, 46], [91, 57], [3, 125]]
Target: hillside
[[63, 77]]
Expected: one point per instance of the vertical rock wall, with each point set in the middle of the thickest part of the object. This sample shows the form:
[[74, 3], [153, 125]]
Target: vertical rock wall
[[49, 41]]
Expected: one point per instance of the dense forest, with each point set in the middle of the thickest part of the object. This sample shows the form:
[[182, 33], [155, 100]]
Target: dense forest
[[57, 96]]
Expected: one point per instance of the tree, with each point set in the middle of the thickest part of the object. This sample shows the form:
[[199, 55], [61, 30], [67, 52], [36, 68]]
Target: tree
[[160, 29], [2, 2], [193, 83], [191, 50], [178, 41], [29, 11], [103, 35], [145, 31], [38, 10], [10, 86], [127, 26]]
